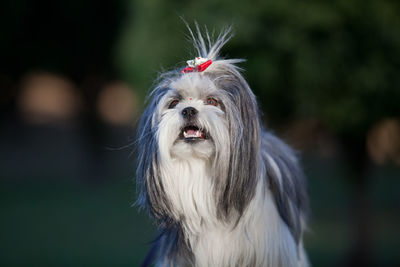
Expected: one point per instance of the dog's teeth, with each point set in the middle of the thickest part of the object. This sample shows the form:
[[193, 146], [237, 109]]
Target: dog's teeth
[[192, 134]]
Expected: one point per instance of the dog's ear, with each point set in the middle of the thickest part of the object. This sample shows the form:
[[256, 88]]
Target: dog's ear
[[152, 196], [236, 190]]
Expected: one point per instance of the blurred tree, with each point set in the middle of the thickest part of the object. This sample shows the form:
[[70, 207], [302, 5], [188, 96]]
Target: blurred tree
[[337, 61]]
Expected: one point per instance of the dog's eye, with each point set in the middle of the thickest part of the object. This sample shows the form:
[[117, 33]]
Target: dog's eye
[[212, 101], [173, 104]]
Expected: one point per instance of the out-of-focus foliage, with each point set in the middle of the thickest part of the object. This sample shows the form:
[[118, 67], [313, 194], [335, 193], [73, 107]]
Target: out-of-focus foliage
[[336, 60]]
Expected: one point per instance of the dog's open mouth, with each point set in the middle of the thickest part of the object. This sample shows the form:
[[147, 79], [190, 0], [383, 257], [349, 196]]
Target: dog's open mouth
[[192, 133]]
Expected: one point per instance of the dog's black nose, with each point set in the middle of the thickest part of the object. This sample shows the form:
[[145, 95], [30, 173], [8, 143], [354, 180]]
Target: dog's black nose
[[189, 113]]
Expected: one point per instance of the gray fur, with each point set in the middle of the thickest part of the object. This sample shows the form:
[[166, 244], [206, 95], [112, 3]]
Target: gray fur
[[237, 188], [291, 197], [151, 193]]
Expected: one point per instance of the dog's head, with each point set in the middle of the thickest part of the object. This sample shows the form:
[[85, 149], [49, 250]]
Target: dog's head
[[205, 112]]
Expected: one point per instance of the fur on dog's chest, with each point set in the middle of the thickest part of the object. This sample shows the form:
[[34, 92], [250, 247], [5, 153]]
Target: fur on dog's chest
[[259, 238]]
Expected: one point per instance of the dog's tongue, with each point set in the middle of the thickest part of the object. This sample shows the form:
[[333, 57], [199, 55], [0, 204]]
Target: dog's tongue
[[191, 132]]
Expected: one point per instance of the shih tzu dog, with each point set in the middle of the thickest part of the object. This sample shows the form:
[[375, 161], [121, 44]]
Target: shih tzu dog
[[224, 191]]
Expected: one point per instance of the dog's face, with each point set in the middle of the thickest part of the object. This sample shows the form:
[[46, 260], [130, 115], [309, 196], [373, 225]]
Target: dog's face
[[211, 116], [192, 119]]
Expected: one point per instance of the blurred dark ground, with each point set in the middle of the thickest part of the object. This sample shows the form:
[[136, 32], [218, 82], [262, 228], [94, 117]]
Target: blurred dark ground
[[73, 76]]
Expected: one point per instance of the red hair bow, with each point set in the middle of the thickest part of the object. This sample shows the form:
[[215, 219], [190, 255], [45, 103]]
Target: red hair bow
[[199, 64]]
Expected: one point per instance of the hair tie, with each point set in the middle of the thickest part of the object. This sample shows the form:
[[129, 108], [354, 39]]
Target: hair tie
[[198, 64]]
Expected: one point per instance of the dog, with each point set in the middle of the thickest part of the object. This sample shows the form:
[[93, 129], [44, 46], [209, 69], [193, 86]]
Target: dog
[[223, 191]]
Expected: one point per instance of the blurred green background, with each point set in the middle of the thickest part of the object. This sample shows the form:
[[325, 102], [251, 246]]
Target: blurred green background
[[73, 76]]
